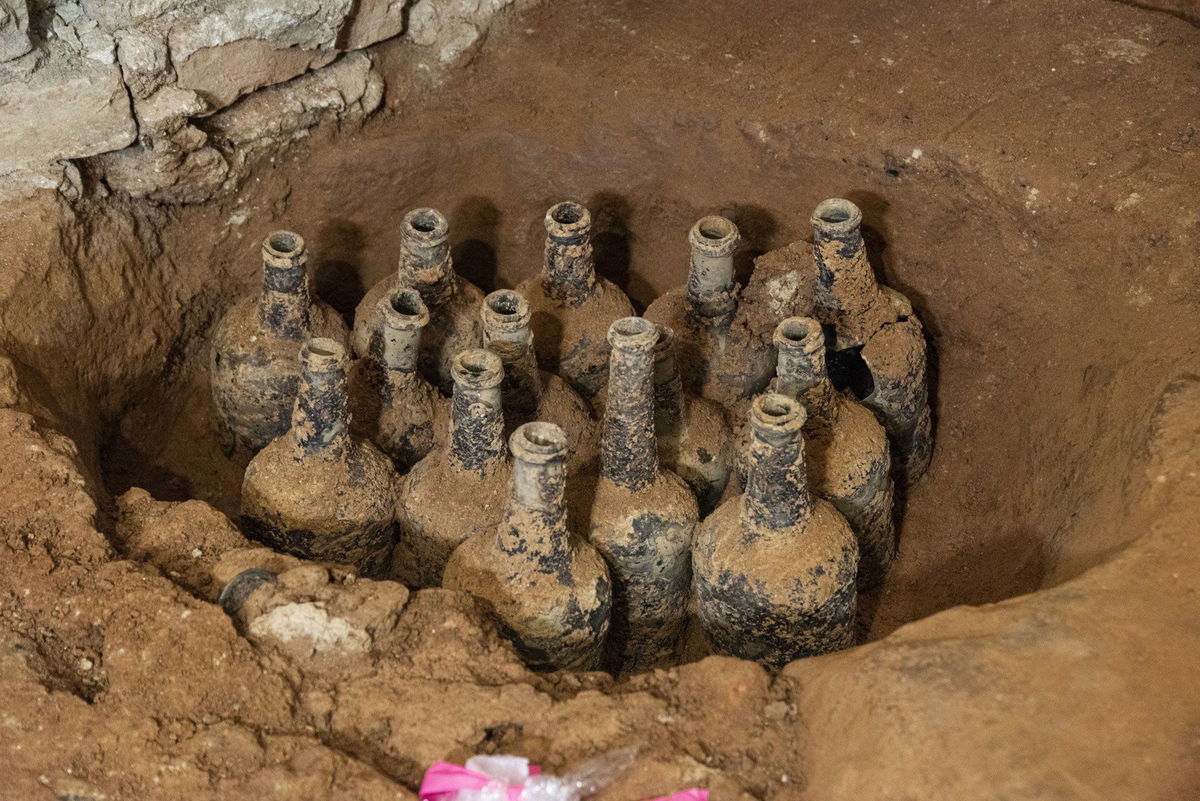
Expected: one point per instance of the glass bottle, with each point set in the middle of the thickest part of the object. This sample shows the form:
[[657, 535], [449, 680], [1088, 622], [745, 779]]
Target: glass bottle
[[255, 347], [529, 393], [878, 342], [317, 491], [775, 567], [694, 439], [642, 515], [548, 587], [724, 352], [572, 306], [452, 301], [393, 405], [846, 449], [460, 488]]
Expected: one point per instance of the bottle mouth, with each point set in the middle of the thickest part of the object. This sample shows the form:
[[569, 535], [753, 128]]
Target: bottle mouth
[[633, 333], [799, 333], [666, 340], [506, 310], [538, 442], [283, 249], [426, 226], [477, 369], [772, 414], [404, 309], [322, 354], [714, 236], [836, 215], [568, 221]]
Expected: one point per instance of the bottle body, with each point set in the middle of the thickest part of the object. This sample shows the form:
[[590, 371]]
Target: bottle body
[[530, 393], [453, 302], [459, 489], [775, 568], [693, 434], [877, 335], [317, 491], [642, 516], [392, 403], [549, 588], [572, 307], [253, 356], [724, 354]]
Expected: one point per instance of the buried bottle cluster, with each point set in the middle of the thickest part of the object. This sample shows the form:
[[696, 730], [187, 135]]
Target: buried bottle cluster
[[597, 479]]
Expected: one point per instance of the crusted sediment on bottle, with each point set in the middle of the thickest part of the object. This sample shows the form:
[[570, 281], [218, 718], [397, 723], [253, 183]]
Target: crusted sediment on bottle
[[693, 436], [875, 327], [723, 349], [530, 393], [642, 515], [392, 403], [572, 307], [317, 492], [424, 264], [459, 489], [254, 370], [549, 589], [775, 568]]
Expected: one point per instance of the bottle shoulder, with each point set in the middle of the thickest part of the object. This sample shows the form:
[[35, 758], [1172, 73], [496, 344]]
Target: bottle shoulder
[[360, 485]]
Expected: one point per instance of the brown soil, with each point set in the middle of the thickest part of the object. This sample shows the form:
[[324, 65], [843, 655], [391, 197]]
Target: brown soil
[[1028, 173]]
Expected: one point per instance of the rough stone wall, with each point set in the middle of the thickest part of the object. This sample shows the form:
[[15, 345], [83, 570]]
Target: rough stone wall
[[172, 100]]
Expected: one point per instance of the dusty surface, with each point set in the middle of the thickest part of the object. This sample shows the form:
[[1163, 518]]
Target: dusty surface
[[1027, 174]]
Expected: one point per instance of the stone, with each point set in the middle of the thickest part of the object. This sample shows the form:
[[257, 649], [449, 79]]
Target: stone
[[455, 28], [224, 73], [143, 58], [116, 15], [372, 21], [82, 33], [69, 108], [14, 29], [308, 24]]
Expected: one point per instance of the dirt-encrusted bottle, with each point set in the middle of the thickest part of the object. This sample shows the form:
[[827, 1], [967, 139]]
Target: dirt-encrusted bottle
[[572, 306], [694, 438], [255, 347], [391, 402], [775, 567], [459, 489], [846, 449], [530, 393], [641, 515], [317, 491], [879, 349], [549, 588], [453, 302], [724, 354]]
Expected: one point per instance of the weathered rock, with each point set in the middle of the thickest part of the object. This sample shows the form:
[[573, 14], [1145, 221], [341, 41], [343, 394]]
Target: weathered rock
[[455, 28], [144, 61], [68, 108], [310, 24], [372, 21], [224, 73], [14, 29]]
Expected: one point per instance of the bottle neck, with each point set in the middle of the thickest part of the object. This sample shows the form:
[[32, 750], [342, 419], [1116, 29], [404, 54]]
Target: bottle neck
[[846, 292], [321, 416], [569, 274], [284, 305], [800, 371], [711, 290], [629, 453], [777, 494], [476, 430], [536, 520], [522, 387]]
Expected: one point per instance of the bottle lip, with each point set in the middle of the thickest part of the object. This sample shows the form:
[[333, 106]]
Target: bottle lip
[[427, 226], [803, 333], [284, 249], [774, 414], [477, 368], [633, 334], [714, 236], [665, 340], [538, 443], [506, 310], [836, 215], [404, 309], [321, 354], [568, 221]]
